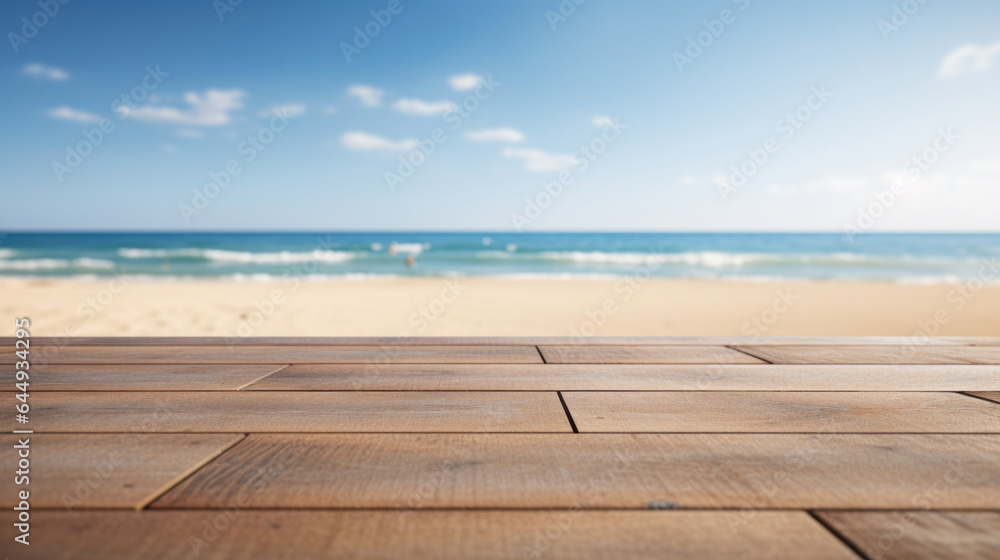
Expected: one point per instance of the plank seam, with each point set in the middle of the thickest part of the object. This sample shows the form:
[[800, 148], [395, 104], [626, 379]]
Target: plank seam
[[572, 424], [742, 351], [540, 355], [170, 485], [967, 394], [838, 535], [245, 385]]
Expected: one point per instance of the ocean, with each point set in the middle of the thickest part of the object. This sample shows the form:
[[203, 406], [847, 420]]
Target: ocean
[[262, 257]]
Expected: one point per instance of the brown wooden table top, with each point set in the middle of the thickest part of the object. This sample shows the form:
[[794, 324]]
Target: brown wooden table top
[[526, 447]]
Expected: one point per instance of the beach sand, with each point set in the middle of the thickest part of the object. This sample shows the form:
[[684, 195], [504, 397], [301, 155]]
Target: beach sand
[[482, 306]]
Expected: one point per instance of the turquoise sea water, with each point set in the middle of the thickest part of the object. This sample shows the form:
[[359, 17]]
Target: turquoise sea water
[[910, 258]]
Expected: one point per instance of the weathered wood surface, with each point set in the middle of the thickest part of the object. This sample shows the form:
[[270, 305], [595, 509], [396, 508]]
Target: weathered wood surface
[[645, 355], [284, 354], [156, 377], [630, 377], [801, 412], [920, 535], [86, 471], [444, 535], [792, 471], [279, 411], [876, 354], [461, 447]]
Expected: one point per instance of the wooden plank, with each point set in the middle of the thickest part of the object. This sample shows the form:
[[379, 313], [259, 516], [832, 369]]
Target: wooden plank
[[446, 535], [645, 355], [88, 471], [58, 342], [175, 377], [990, 395], [630, 377], [719, 411], [973, 340], [296, 412], [757, 471], [283, 355], [920, 535], [876, 354]]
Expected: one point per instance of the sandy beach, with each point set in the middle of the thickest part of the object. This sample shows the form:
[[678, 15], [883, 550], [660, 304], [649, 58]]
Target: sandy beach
[[490, 307]]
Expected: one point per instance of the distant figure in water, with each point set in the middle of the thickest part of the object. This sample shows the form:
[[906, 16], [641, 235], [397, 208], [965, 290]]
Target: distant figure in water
[[410, 261], [392, 250]]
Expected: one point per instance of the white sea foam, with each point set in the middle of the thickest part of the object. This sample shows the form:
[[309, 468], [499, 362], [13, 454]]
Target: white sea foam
[[54, 264], [718, 259], [710, 259], [242, 257], [7, 253]]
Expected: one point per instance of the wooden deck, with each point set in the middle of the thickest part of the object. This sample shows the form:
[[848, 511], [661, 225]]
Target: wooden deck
[[620, 448]]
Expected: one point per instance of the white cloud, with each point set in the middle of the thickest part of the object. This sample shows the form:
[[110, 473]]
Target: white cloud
[[602, 121], [210, 109], [495, 135], [69, 114], [368, 96], [418, 108], [968, 59], [464, 82], [288, 110], [45, 72], [537, 160], [362, 141]]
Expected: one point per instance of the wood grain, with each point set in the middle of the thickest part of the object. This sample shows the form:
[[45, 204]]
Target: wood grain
[[283, 354], [920, 535], [721, 411], [296, 412], [645, 355], [176, 377], [445, 535], [876, 354], [630, 377], [88, 471], [758, 471]]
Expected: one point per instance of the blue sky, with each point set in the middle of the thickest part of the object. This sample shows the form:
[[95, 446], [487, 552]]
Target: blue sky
[[508, 93]]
